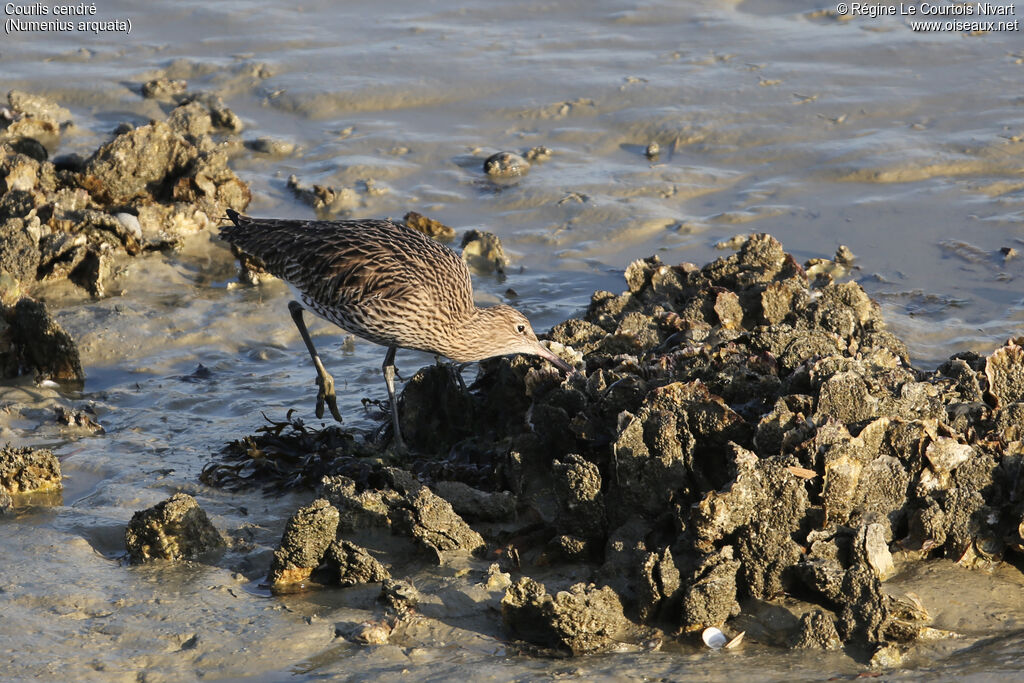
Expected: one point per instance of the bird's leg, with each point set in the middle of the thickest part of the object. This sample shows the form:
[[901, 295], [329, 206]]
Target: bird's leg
[[389, 379], [323, 378], [457, 369]]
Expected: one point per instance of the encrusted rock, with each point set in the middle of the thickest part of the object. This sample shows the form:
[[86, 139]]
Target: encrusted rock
[[817, 632], [164, 88], [1004, 370], [175, 529], [324, 197], [430, 519], [483, 252], [19, 252], [871, 545], [434, 408], [34, 118], [354, 564], [540, 153], [400, 595], [29, 470], [583, 619], [38, 344], [428, 226], [368, 632], [272, 146], [309, 533], [506, 165], [145, 161], [709, 597], [746, 429], [581, 505], [476, 505], [155, 162]]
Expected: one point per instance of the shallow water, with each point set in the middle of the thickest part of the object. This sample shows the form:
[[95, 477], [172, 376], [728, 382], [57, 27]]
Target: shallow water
[[771, 116]]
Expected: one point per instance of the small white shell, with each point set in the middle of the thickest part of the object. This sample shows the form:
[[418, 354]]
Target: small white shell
[[714, 638], [48, 384], [130, 222], [735, 641]]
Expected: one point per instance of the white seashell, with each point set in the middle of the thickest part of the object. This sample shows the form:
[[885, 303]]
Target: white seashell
[[130, 222], [735, 641], [714, 638], [48, 384]]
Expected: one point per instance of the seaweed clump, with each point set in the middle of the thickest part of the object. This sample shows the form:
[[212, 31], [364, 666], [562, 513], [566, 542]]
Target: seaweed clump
[[287, 454]]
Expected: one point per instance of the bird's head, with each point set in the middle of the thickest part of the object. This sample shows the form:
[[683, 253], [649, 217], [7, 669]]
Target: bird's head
[[501, 331]]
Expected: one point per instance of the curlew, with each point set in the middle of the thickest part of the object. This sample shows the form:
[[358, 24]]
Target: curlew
[[385, 283]]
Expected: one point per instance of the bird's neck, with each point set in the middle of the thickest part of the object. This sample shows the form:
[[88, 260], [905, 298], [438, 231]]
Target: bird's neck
[[471, 340]]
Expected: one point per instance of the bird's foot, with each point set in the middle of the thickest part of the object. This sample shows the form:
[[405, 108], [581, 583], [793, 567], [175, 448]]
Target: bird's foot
[[326, 395]]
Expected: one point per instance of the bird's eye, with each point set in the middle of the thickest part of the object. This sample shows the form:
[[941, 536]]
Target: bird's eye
[[521, 328]]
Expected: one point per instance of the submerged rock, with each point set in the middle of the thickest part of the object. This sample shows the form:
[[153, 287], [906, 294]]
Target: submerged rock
[[175, 529], [506, 165], [483, 252], [272, 146]]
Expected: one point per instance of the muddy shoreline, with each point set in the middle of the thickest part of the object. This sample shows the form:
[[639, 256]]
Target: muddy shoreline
[[749, 446], [741, 433]]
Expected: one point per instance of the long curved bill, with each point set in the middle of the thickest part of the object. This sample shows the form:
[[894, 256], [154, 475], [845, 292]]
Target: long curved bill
[[553, 358]]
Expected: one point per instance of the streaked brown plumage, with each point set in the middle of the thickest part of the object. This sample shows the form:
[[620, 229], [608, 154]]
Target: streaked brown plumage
[[386, 283]]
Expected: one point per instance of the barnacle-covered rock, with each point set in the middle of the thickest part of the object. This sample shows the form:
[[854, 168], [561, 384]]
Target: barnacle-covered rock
[[309, 533], [506, 165], [817, 632], [145, 189], [428, 226], [580, 502], [29, 470], [583, 619], [354, 564], [483, 252], [709, 595], [1004, 370], [175, 529], [428, 518], [32, 342]]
